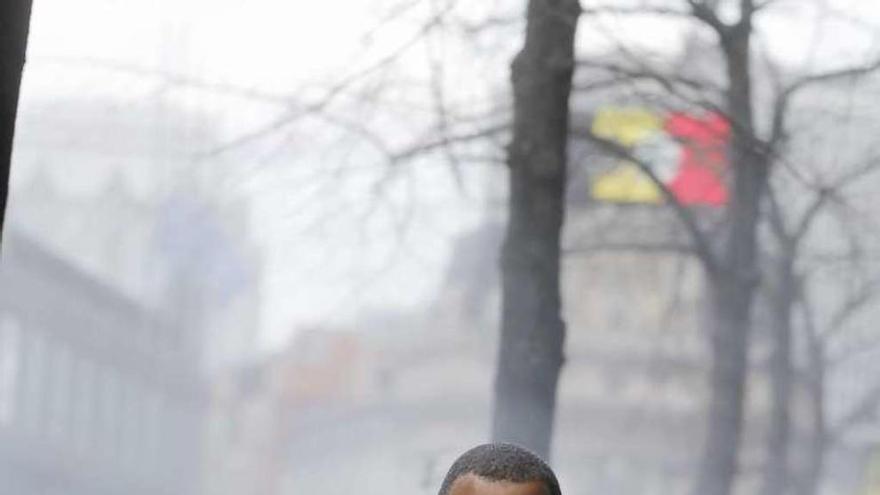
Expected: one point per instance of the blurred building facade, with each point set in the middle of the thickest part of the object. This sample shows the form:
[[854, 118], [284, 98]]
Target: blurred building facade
[[114, 188], [97, 394], [114, 226]]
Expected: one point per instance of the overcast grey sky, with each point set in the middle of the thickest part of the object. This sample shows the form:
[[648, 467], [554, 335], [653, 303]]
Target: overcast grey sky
[[291, 47]]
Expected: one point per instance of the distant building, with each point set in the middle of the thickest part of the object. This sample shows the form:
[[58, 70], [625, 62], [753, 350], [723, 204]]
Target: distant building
[[97, 394], [154, 249], [339, 412], [113, 189]]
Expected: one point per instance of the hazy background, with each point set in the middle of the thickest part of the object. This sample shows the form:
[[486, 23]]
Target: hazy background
[[246, 265]]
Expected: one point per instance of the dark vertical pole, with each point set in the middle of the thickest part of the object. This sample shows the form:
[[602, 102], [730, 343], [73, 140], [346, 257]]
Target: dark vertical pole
[[14, 23]]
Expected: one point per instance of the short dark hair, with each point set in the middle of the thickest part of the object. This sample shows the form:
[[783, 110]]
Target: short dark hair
[[501, 462]]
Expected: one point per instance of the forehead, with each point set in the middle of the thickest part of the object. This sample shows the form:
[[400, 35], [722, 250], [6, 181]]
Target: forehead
[[470, 484]]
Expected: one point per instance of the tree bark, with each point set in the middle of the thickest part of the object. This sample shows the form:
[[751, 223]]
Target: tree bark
[[729, 327], [532, 330], [14, 23], [733, 280], [777, 466]]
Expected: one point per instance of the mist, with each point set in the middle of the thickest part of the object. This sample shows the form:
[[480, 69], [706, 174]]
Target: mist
[[257, 247]]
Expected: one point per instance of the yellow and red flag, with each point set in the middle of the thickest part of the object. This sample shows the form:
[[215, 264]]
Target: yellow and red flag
[[686, 152]]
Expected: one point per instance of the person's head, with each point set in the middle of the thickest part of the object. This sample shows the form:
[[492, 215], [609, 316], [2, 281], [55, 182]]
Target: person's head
[[499, 469]]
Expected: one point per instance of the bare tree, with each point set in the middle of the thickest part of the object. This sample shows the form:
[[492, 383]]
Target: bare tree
[[784, 289], [14, 24], [728, 251], [788, 288], [531, 351], [532, 330], [824, 435], [729, 255]]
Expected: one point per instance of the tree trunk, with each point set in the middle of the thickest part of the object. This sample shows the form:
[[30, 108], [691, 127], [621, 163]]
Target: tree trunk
[[729, 327], [14, 23], [811, 478], [732, 282], [532, 330], [777, 468]]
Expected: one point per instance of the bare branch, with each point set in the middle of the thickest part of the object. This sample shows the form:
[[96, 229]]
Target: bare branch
[[855, 303], [829, 193], [645, 72], [863, 411], [747, 11], [811, 213], [446, 140], [700, 241], [784, 99], [834, 75], [697, 9], [294, 114], [438, 94], [763, 5], [705, 12], [472, 28], [674, 85], [777, 220]]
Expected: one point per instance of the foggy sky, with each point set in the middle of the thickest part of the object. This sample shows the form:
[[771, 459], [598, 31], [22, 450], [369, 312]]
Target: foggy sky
[[296, 47]]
